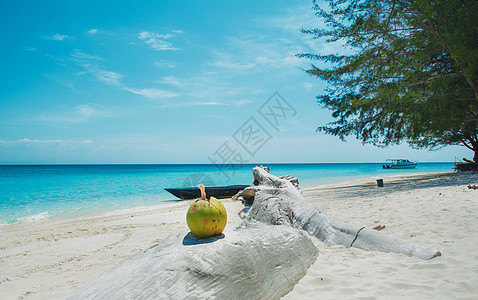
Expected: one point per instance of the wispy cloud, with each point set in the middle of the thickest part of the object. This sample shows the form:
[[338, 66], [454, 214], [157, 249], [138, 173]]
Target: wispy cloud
[[179, 104], [233, 66], [242, 102], [93, 31], [207, 89], [61, 144], [265, 52], [78, 54], [292, 19], [172, 80], [79, 114], [63, 80], [276, 48], [57, 37], [105, 76], [211, 103], [152, 93], [164, 64], [158, 41], [308, 86]]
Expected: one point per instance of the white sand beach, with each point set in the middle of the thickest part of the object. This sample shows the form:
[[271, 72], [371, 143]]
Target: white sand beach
[[47, 260]]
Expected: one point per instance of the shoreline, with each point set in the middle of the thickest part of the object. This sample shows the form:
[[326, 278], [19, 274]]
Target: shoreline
[[56, 259], [64, 220], [170, 204], [74, 192]]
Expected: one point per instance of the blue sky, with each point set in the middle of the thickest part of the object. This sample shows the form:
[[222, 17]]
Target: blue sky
[[167, 82]]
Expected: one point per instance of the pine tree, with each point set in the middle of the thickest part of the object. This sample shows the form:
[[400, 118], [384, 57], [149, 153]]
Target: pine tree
[[412, 75]]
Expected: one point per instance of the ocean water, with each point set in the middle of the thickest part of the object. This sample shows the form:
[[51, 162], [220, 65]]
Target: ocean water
[[29, 193]]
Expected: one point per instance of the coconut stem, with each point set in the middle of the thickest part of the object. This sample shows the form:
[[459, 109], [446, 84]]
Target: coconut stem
[[203, 191]]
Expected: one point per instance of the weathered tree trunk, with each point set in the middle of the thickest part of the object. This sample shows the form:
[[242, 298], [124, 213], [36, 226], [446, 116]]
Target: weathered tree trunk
[[277, 201], [258, 261]]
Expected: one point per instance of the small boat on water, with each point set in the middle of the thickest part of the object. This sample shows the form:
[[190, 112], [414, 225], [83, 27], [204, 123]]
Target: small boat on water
[[214, 191], [399, 164]]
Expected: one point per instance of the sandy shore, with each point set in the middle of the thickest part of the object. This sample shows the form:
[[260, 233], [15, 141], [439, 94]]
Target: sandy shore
[[52, 261]]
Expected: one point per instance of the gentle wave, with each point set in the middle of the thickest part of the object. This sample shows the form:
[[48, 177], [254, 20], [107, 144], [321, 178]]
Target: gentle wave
[[27, 219]]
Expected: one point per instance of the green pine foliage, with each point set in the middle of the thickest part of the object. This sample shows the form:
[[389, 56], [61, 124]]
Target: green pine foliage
[[412, 75]]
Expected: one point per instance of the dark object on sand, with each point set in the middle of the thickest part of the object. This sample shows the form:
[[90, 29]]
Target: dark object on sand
[[380, 182], [473, 187], [212, 191]]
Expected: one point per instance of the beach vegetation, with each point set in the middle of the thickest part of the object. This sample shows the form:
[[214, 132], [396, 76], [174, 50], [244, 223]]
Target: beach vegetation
[[403, 71]]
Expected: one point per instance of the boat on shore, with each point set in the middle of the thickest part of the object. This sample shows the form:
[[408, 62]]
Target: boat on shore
[[466, 165], [399, 164], [218, 192]]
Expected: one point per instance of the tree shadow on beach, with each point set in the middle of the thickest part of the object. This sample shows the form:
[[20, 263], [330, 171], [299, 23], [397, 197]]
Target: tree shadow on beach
[[392, 184]]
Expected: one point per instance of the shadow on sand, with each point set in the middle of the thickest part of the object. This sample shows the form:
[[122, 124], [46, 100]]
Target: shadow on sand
[[393, 184]]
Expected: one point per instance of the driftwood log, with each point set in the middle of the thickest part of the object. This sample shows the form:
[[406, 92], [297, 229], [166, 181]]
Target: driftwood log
[[257, 261], [262, 259], [278, 201]]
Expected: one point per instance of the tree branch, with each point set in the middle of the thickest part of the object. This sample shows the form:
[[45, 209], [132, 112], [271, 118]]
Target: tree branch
[[446, 46]]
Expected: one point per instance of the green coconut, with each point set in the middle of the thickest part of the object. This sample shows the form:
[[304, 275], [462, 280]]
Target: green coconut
[[206, 217]]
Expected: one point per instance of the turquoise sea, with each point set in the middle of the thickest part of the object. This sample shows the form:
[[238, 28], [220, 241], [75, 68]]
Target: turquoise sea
[[29, 193]]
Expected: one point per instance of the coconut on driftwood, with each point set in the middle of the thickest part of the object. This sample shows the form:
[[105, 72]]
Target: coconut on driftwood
[[277, 201], [262, 259], [257, 261]]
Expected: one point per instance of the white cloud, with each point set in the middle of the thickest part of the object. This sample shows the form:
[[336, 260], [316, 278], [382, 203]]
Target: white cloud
[[46, 143], [193, 103], [57, 37], [208, 88], [264, 52], [164, 64], [78, 54], [234, 66], [152, 93], [171, 80], [158, 41], [276, 48], [211, 103], [27, 140], [107, 77], [79, 114], [93, 31], [293, 19], [242, 102], [86, 111], [308, 86]]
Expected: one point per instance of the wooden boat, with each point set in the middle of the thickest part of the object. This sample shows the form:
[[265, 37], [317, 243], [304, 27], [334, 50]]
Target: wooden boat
[[399, 164], [214, 191], [461, 167]]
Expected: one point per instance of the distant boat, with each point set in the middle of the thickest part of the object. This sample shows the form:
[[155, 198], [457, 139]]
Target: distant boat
[[399, 164], [214, 191]]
